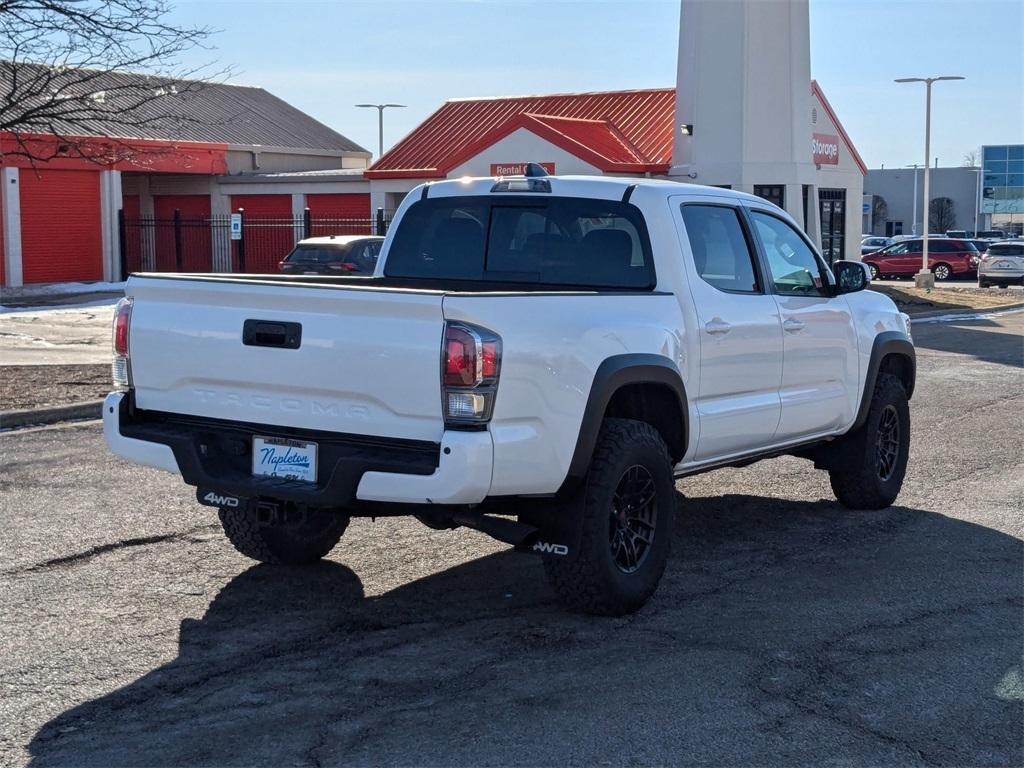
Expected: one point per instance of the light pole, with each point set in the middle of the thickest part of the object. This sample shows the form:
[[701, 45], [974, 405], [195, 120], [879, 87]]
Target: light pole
[[913, 220], [925, 278], [380, 122]]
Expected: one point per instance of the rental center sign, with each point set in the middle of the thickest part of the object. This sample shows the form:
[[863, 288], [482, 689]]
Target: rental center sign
[[517, 169], [826, 149]]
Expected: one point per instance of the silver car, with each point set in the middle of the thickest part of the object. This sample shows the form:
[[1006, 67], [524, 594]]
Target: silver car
[[1002, 264], [872, 243]]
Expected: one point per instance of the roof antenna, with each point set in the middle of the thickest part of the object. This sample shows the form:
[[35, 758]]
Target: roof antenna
[[534, 170]]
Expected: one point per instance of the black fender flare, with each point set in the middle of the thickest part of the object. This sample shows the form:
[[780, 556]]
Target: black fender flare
[[885, 343], [614, 373]]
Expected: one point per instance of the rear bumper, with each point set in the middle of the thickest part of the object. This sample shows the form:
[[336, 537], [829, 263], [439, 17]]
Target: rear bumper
[[216, 455], [1001, 276]]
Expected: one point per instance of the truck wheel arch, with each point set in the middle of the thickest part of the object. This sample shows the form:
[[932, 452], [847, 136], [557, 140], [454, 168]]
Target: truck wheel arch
[[891, 352], [615, 380]]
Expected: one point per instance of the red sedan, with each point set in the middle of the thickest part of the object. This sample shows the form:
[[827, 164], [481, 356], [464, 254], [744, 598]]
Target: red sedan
[[946, 257]]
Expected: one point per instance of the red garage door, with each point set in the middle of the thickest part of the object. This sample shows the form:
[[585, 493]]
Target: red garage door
[[339, 214], [191, 234], [61, 238], [270, 231], [3, 261]]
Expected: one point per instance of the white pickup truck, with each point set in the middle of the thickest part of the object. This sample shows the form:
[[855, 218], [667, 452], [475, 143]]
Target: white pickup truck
[[538, 358]]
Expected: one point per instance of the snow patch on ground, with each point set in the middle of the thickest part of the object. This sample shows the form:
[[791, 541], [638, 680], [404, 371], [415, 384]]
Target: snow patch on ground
[[60, 308], [58, 289]]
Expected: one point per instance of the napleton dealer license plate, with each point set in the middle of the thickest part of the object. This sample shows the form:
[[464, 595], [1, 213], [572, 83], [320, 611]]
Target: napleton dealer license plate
[[279, 457]]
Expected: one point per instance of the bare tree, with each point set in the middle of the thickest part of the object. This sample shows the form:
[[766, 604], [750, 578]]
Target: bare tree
[[879, 214], [970, 159], [73, 69], [941, 215]]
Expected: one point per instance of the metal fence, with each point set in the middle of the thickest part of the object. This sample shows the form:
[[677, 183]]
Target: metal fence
[[179, 244]]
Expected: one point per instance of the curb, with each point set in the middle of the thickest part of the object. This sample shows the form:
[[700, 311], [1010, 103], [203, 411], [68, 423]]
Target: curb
[[53, 415], [965, 312]]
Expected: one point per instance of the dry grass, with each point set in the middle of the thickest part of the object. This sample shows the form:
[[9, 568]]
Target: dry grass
[[952, 298]]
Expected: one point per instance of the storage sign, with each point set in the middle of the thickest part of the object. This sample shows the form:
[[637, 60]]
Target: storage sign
[[825, 149], [236, 226], [517, 169]]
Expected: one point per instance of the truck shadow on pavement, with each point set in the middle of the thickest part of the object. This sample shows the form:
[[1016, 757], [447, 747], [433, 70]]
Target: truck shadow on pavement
[[785, 632]]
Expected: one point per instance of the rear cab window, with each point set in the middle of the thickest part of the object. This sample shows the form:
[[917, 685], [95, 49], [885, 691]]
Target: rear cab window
[[1006, 249], [317, 254], [525, 240]]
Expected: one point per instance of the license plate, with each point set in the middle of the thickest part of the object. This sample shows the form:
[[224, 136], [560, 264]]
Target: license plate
[[279, 457], [1004, 265]]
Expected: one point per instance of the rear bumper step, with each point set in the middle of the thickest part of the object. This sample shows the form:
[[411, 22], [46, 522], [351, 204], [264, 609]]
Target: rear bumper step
[[214, 454]]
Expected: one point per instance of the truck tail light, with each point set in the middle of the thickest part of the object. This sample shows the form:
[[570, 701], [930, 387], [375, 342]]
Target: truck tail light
[[120, 368], [470, 365]]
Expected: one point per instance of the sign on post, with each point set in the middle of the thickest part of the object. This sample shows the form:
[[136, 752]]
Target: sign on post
[[236, 226]]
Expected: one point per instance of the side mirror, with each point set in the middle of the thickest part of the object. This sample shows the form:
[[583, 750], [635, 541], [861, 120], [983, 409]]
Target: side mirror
[[851, 276]]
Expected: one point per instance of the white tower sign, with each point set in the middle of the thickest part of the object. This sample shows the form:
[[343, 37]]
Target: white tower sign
[[743, 97]]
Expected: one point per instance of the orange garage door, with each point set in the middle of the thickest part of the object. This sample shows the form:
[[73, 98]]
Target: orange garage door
[[340, 214], [61, 238], [269, 230]]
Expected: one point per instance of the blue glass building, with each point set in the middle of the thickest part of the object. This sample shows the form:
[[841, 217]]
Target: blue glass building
[[1003, 182]]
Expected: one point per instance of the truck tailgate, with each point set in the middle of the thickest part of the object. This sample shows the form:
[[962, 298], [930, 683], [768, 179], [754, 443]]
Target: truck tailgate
[[368, 361]]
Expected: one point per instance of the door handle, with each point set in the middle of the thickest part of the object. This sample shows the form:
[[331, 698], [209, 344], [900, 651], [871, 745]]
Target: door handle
[[792, 326], [717, 326]]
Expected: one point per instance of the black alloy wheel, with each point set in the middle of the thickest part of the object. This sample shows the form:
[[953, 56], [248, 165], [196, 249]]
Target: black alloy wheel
[[888, 442], [633, 518]]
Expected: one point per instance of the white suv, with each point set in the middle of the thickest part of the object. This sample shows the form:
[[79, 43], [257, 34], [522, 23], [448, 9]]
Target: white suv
[[538, 358], [1002, 264]]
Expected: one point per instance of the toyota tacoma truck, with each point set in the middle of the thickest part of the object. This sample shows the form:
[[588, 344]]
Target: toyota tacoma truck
[[537, 358]]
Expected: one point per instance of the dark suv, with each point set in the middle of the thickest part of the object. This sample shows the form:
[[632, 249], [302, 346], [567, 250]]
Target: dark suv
[[333, 255], [946, 257]]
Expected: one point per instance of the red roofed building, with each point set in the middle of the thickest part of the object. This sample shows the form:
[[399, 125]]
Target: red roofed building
[[619, 133]]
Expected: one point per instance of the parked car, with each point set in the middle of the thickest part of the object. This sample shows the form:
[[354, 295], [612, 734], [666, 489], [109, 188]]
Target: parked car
[[537, 358], [333, 255], [1002, 265], [991, 234], [981, 245], [872, 243], [960, 234], [946, 258]]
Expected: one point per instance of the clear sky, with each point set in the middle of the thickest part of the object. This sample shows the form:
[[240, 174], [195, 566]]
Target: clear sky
[[324, 57]]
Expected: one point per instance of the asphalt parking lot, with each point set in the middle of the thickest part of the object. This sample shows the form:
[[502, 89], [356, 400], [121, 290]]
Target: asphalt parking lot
[[787, 631]]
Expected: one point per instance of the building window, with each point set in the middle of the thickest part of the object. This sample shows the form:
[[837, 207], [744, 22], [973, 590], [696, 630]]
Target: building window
[[832, 209], [773, 193], [893, 228]]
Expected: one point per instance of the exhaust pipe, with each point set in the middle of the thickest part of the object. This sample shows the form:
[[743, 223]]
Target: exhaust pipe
[[500, 528]]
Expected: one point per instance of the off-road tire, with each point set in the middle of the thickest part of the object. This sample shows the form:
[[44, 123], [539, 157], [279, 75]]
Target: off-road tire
[[294, 544], [590, 581], [855, 474]]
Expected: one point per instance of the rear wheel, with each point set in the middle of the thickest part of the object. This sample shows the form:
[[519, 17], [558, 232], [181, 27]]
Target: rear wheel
[[874, 271], [869, 465], [289, 542], [628, 511], [942, 271], [982, 283]]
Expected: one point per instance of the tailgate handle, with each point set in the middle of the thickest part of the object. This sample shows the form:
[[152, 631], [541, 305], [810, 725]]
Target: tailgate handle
[[271, 333]]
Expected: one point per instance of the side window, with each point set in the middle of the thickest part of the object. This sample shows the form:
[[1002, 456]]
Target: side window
[[720, 250], [897, 250], [795, 269]]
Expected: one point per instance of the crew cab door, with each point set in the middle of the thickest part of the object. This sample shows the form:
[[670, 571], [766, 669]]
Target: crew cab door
[[820, 363], [738, 325]]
